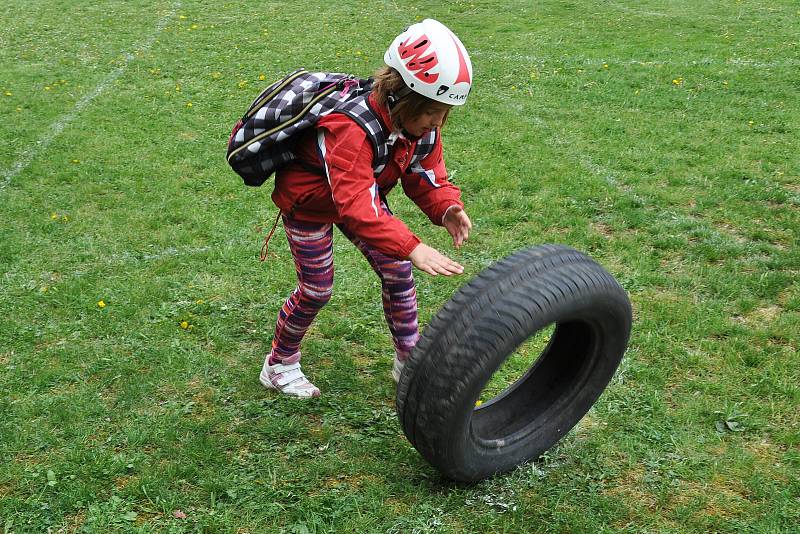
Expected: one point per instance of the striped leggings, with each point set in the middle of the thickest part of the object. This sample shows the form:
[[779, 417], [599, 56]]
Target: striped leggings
[[312, 248]]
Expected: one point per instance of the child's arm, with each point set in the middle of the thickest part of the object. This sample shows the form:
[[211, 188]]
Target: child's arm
[[427, 185], [433, 262], [346, 155], [458, 224]]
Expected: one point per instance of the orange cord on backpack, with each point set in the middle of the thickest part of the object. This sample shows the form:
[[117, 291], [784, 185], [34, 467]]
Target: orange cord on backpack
[[265, 246]]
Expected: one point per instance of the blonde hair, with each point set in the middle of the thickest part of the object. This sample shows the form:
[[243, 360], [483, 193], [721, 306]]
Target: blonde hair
[[388, 82]]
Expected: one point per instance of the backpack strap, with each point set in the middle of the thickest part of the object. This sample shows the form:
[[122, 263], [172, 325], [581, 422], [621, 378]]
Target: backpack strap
[[425, 146], [362, 113], [360, 110]]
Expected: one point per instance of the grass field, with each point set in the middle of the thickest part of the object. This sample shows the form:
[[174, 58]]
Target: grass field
[[660, 137]]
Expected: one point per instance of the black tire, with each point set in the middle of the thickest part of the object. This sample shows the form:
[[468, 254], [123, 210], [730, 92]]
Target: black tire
[[479, 327]]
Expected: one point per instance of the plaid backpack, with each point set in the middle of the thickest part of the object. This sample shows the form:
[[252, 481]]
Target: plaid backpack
[[262, 140]]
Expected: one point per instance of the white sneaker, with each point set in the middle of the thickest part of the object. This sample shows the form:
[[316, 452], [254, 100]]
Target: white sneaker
[[397, 369], [288, 379]]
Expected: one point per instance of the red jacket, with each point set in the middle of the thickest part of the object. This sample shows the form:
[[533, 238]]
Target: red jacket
[[350, 194]]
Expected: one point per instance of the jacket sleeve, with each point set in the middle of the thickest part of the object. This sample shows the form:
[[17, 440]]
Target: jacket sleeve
[[426, 184], [346, 155]]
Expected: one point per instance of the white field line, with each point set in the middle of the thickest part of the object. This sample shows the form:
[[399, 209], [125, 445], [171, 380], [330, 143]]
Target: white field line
[[641, 12], [611, 178], [577, 62], [137, 259], [670, 219], [58, 126]]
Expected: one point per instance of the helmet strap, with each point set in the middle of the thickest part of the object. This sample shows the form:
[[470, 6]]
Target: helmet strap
[[394, 97]]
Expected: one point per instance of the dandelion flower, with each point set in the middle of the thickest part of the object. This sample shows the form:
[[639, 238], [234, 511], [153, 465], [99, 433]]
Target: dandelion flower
[[188, 104], [200, 301], [76, 161], [605, 65], [101, 304], [184, 324], [54, 216], [677, 81], [478, 403], [262, 77], [8, 93]]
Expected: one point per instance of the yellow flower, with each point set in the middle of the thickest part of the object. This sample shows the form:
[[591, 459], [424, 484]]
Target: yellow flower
[[54, 216], [242, 84], [200, 301], [677, 81], [262, 77], [178, 88], [184, 324], [8, 93], [101, 304], [478, 403], [216, 75], [182, 17], [65, 218], [188, 104], [194, 26], [605, 65], [76, 161]]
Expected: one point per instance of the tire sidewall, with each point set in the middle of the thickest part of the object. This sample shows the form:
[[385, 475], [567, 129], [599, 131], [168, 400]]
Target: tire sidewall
[[605, 312]]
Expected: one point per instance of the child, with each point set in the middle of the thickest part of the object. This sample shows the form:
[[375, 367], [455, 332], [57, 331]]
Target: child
[[345, 168]]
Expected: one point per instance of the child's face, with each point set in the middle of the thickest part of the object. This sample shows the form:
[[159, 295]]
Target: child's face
[[432, 117]]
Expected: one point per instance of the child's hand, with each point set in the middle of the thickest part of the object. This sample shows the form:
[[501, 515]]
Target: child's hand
[[458, 224], [433, 262]]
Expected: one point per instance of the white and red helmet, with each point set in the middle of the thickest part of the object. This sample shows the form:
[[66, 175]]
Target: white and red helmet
[[432, 61]]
